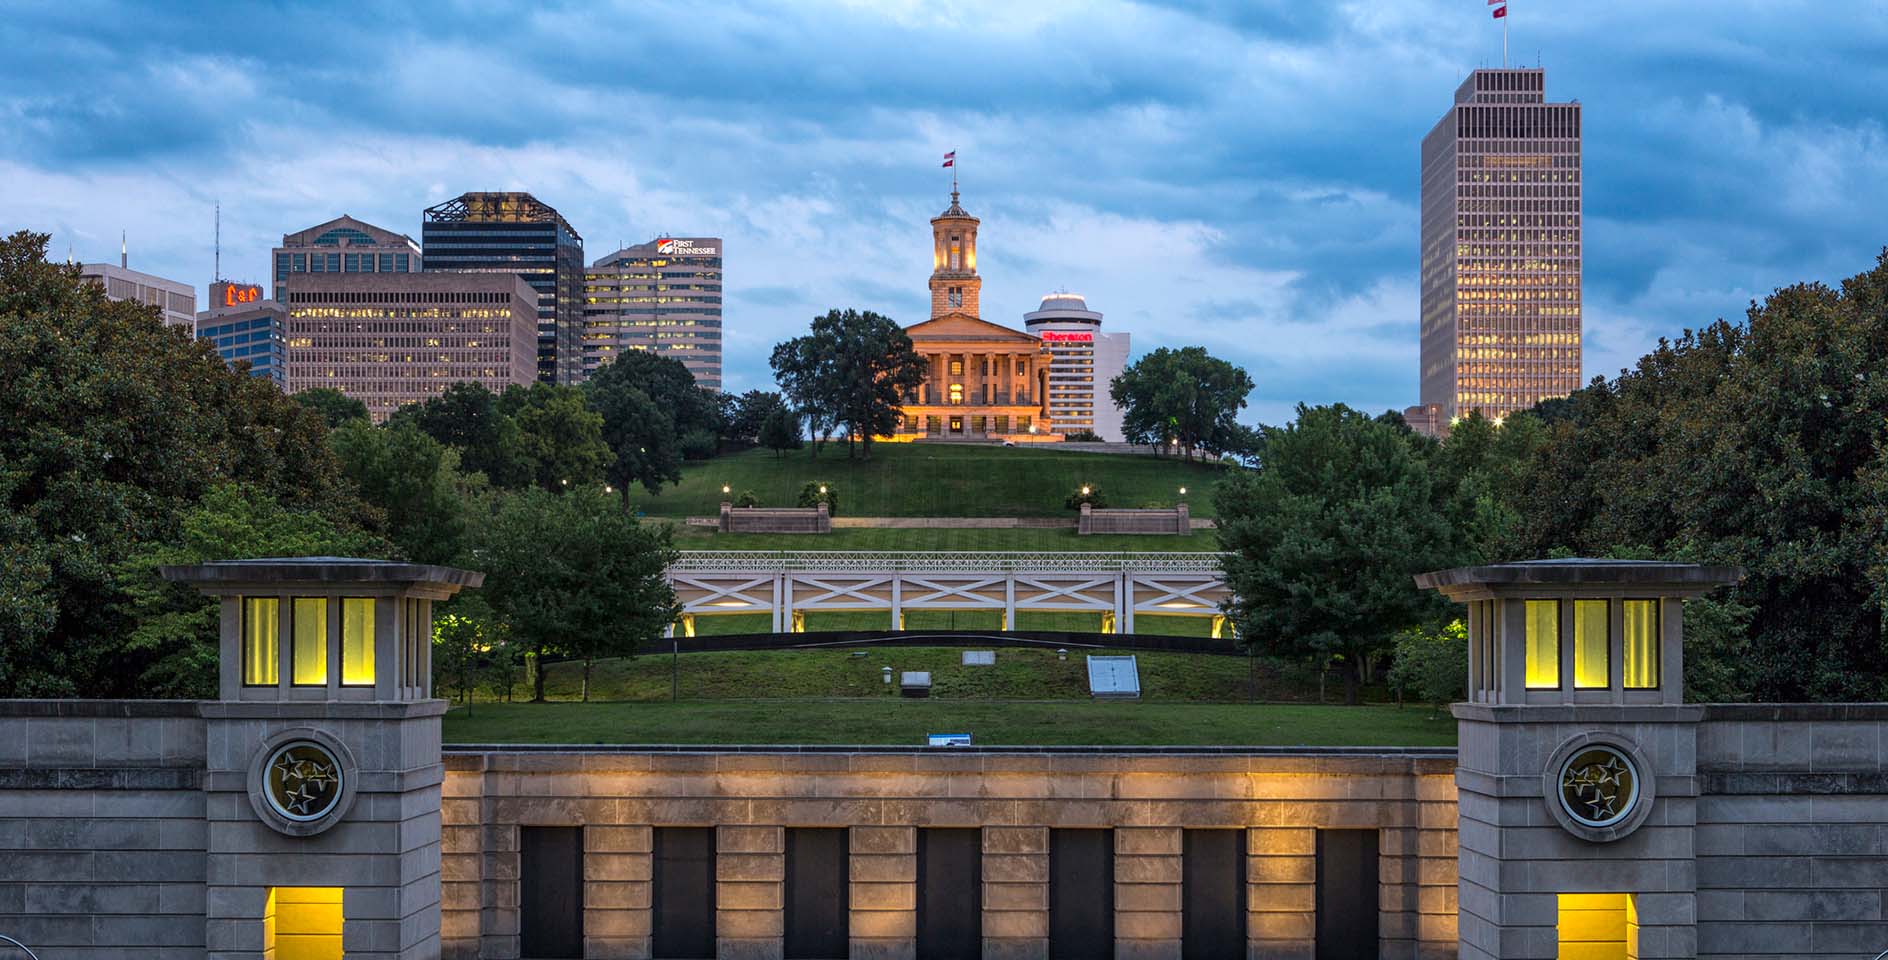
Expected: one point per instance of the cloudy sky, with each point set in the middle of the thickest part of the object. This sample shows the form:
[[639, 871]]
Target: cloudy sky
[[1233, 173]]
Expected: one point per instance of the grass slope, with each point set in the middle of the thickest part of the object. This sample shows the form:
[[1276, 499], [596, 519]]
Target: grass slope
[[907, 721], [937, 480], [879, 538]]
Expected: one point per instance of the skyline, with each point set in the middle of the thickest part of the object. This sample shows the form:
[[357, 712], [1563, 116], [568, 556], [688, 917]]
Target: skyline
[[1267, 155]]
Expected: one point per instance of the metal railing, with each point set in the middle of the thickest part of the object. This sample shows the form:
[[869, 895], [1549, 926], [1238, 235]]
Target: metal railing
[[942, 561]]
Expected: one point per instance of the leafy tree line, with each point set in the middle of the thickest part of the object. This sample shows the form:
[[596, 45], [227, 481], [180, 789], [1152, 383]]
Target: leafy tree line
[[850, 372], [125, 445]]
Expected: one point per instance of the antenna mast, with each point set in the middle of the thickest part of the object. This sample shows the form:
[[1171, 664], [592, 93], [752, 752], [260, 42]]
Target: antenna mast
[[218, 272]]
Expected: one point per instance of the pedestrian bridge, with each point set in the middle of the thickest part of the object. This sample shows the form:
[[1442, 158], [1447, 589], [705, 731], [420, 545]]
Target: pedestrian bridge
[[790, 584]]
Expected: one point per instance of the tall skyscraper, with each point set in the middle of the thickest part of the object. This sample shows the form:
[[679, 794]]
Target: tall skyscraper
[[516, 233], [663, 296], [176, 301], [245, 326], [342, 245], [1082, 362], [1500, 250], [394, 339]]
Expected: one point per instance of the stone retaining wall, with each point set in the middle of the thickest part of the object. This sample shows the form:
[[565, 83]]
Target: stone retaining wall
[[1174, 521], [775, 519]]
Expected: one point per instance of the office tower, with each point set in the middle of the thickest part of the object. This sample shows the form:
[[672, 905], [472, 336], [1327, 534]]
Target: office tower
[[663, 296], [342, 245], [1500, 250], [515, 233], [177, 302], [394, 339], [1082, 362], [245, 326]]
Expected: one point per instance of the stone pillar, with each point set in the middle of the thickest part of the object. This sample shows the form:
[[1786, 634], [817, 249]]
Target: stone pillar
[[1281, 893], [618, 864], [461, 860], [883, 874], [1147, 875], [498, 896], [750, 892], [1015, 893]]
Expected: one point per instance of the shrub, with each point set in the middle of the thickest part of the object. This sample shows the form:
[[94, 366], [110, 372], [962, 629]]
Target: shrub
[[1090, 495], [816, 492], [747, 498], [1432, 664], [699, 445], [1083, 436]]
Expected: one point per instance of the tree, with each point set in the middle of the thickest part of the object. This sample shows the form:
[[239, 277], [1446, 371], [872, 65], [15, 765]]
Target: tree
[[1326, 537], [114, 426], [333, 406], [1182, 396], [747, 415], [572, 576], [413, 482], [780, 432], [857, 368], [172, 644], [560, 436], [1761, 443], [1431, 663], [639, 434], [466, 417], [815, 492], [666, 381]]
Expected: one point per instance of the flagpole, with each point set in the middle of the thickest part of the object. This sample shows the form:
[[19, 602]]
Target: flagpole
[[1504, 36]]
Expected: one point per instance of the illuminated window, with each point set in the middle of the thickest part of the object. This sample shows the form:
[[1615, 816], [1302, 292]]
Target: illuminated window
[[302, 923], [1600, 926], [262, 641], [310, 625], [957, 393], [1642, 644], [957, 368], [1591, 634], [1543, 644], [357, 642]]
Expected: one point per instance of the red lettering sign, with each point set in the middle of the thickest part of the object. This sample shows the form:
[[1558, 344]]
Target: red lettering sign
[[233, 294], [1055, 336]]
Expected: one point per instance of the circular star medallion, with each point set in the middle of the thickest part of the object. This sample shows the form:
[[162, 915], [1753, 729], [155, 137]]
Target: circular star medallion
[[1599, 786], [302, 781]]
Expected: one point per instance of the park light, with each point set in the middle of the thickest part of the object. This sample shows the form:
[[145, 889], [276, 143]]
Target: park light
[[608, 489], [822, 489], [566, 481], [726, 489], [1084, 489], [1500, 420], [1183, 491]]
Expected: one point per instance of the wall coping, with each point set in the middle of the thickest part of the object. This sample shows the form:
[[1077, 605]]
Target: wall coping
[[99, 708], [1796, 711]]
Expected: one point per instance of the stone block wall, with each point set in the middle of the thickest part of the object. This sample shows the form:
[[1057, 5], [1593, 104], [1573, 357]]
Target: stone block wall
[[1016, 796], [102, 832], [1792, 837], [1149, 521], [815, 519]]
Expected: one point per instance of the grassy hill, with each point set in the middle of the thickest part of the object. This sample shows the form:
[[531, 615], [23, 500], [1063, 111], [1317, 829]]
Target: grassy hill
[[938, 480], [889, 538]]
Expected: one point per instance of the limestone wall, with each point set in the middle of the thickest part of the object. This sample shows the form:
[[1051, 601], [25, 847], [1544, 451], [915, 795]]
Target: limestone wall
[[1792, 837], [102, 832], [1279, 797]]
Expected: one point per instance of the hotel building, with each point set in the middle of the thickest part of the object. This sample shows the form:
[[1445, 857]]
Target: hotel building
[[390, 340], [1082, 362], [515, 233], [342, 245], [176, 302], [663, 296], [1501, 247], [982, 381], [246, 327]]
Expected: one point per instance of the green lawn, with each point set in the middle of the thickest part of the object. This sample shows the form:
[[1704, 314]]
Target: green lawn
[[907, 721], [880, 538], [723, 624], [1020, 673], [938, 480]]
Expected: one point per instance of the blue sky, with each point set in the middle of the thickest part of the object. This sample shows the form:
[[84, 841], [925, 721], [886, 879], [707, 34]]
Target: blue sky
[[1233, 173]]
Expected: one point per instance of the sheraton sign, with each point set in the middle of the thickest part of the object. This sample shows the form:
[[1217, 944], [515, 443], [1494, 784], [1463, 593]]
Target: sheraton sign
[[1058, 336]]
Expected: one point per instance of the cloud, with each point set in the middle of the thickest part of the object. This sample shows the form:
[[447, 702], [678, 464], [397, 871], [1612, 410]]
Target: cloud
[[1241, 175]]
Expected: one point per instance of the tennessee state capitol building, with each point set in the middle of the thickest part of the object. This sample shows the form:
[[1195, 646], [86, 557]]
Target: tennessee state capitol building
[[311, 811]]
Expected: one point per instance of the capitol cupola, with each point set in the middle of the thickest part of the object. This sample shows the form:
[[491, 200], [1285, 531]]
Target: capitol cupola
[[954, 281]]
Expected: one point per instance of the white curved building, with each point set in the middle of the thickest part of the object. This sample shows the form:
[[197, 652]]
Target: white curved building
[[1083, 361]]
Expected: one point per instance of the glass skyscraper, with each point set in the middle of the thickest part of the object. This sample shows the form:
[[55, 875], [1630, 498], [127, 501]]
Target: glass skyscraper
[[663, 296], [1501, 210], [516, 233]]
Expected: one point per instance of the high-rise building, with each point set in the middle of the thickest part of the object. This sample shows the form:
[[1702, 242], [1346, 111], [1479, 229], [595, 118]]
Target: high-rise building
[[342, 245], [1500, 249], [394, 339], [1082, 362], [246, 327], [515, 233], [663, 296], [176, 301]]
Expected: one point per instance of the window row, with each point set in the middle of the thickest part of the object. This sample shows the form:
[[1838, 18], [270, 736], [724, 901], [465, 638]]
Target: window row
[[1591, 632]]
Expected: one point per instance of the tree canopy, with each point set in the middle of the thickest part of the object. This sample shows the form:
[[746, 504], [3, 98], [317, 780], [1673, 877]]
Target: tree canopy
[[335, 407], [853, 370], [1186, 397]]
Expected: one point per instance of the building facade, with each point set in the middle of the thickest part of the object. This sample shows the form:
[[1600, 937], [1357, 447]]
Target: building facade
[[246, 327], [176, 302], [1082, 362], [394, 339], [663, 296], [342, 245], [515, 233], [982, 380], [1501, 242], [1587, 812]]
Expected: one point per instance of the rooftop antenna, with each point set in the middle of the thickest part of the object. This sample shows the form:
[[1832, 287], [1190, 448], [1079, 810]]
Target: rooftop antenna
[[124, 251], [218, 271]]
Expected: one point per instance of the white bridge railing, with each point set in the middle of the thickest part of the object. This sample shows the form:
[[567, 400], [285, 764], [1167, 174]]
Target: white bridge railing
[[789, 584]]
